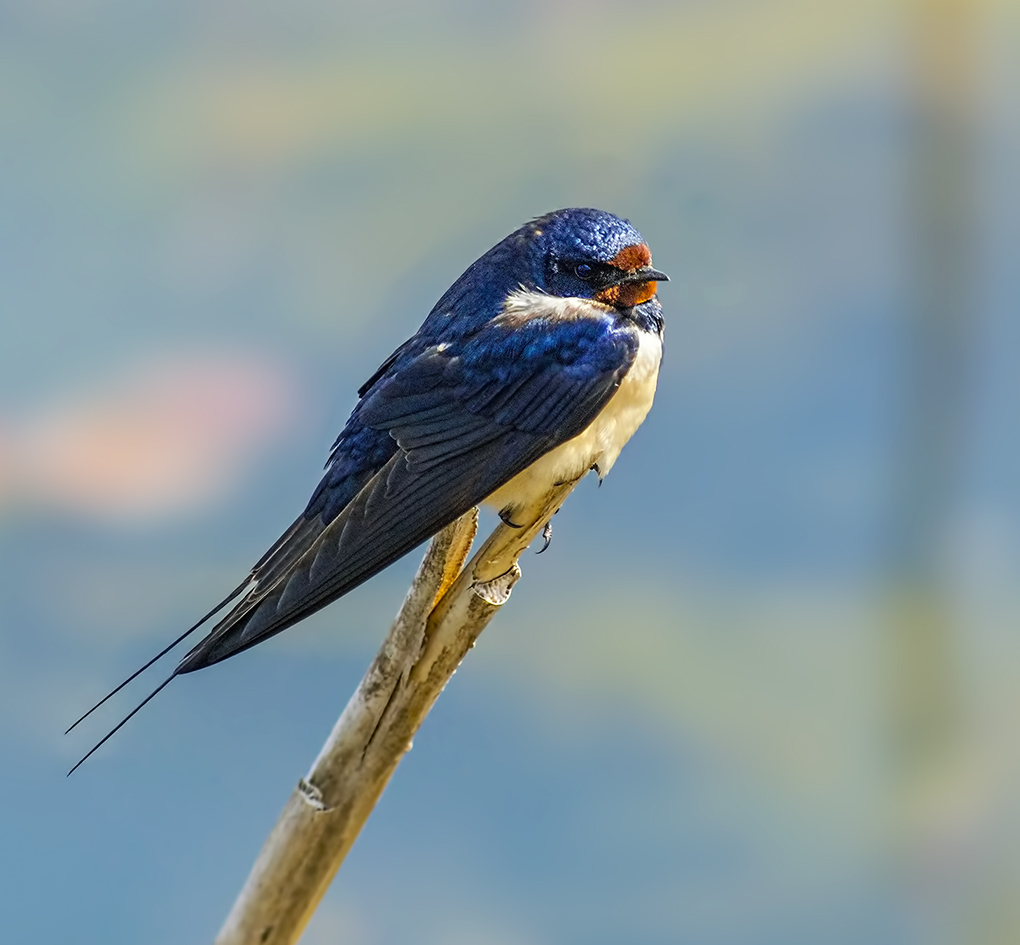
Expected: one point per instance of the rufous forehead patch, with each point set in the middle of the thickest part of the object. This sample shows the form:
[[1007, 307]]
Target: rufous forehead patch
[[632, 257]]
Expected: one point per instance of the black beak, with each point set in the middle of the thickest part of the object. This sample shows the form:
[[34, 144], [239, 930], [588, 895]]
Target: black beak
[[644, 274]]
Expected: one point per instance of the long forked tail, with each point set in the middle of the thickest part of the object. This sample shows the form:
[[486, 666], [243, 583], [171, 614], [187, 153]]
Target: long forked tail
[[113, 731], [223, 603]]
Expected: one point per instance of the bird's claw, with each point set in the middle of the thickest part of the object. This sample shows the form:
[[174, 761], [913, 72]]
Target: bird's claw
[[546, 537], [504, 517]]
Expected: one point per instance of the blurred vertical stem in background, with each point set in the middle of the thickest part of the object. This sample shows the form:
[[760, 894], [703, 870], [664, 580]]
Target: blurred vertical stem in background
[[940, 327]]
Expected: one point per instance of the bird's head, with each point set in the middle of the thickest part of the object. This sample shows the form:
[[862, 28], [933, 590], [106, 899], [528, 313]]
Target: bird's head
[[591, 254], [574, 253]]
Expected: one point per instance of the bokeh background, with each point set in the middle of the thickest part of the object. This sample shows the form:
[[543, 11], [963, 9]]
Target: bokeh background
[[765, 685]]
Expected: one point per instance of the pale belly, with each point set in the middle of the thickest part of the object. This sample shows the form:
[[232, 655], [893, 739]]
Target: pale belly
[[598, 445]]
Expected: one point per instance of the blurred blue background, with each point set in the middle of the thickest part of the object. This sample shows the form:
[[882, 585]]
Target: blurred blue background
[[765, 685]]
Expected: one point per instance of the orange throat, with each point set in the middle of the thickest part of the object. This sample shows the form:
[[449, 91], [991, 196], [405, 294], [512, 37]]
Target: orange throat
[[627, 294]]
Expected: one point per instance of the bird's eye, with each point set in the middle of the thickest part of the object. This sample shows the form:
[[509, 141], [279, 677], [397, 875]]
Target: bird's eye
[[582, 271]]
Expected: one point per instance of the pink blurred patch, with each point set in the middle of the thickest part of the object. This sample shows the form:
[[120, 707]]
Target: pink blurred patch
[[167, 438]]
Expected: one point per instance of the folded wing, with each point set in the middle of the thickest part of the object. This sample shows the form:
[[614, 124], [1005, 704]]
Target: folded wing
[[465, 417]]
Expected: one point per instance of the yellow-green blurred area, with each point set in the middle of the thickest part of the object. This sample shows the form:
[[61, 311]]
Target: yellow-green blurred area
[[764, 687]]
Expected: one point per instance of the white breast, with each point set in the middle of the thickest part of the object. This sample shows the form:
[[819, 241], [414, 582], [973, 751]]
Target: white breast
[[599, 444]]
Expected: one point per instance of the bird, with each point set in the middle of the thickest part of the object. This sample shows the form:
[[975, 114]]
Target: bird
[[535, 367]]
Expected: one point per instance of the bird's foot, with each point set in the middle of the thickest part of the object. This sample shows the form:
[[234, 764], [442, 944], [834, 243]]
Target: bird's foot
[[497, 591], [546, 537]]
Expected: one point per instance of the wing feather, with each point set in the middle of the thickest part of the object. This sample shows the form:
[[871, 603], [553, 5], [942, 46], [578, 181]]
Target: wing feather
[[465, 418]]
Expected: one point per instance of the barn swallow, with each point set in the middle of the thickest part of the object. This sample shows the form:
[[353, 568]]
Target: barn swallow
[[536, 366]]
